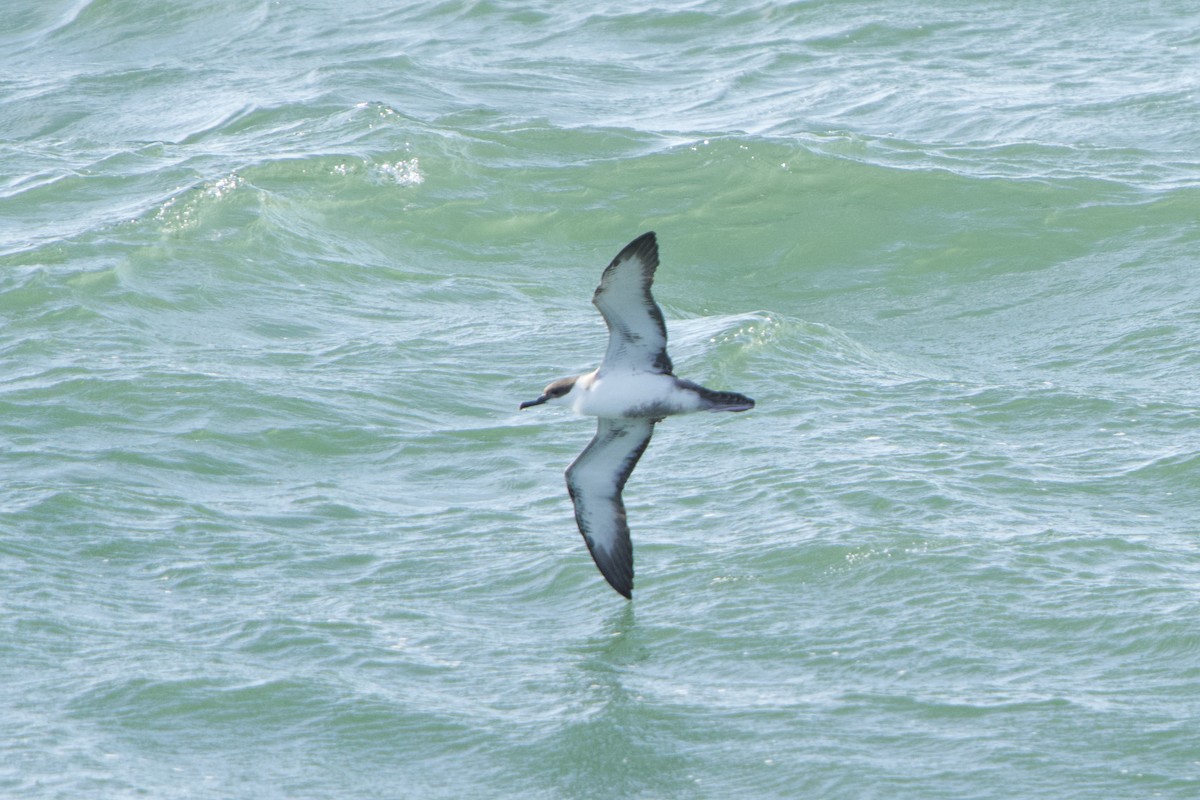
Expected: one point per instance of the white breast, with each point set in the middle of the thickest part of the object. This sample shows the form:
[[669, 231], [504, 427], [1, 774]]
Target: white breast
[[631, 394]]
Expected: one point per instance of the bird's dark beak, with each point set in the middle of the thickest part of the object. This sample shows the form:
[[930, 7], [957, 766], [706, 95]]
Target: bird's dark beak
[[530, 403]]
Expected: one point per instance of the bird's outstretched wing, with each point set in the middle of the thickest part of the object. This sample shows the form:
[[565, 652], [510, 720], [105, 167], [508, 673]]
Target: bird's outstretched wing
[[637, 334], [595, 481]]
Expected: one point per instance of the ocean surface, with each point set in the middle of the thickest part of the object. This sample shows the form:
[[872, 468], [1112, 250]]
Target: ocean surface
[[274, 277]]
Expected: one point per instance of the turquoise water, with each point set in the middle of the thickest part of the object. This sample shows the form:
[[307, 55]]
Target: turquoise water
[[275, 276]]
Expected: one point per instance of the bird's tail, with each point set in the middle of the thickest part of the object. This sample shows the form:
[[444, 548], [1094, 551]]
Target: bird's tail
[[721, 401]]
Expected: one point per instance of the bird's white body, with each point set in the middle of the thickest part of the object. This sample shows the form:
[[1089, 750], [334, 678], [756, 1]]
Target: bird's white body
[[630, 394]]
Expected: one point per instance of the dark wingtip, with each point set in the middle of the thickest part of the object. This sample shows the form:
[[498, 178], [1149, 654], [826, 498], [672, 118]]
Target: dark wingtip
[[616, 566], [618, 571], [646, 246], [645, 249]]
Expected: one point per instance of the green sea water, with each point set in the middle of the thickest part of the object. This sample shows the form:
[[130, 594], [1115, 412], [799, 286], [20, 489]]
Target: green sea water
[[275, 276]]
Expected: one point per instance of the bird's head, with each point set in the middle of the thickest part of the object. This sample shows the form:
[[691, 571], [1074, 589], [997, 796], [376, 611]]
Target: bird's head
[[555, 391]]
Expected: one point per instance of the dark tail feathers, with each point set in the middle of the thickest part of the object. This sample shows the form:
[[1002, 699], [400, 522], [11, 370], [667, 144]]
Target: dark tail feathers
[[720, 401]]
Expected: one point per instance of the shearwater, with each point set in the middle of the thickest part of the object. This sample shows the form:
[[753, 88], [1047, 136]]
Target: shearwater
[[633, 389]]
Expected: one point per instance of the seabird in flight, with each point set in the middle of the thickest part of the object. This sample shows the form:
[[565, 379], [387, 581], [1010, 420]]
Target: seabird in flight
[[633, 389]]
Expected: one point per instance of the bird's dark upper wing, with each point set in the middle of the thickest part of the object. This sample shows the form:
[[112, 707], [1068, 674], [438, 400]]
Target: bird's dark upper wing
[[595, 481], [637, 334]]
